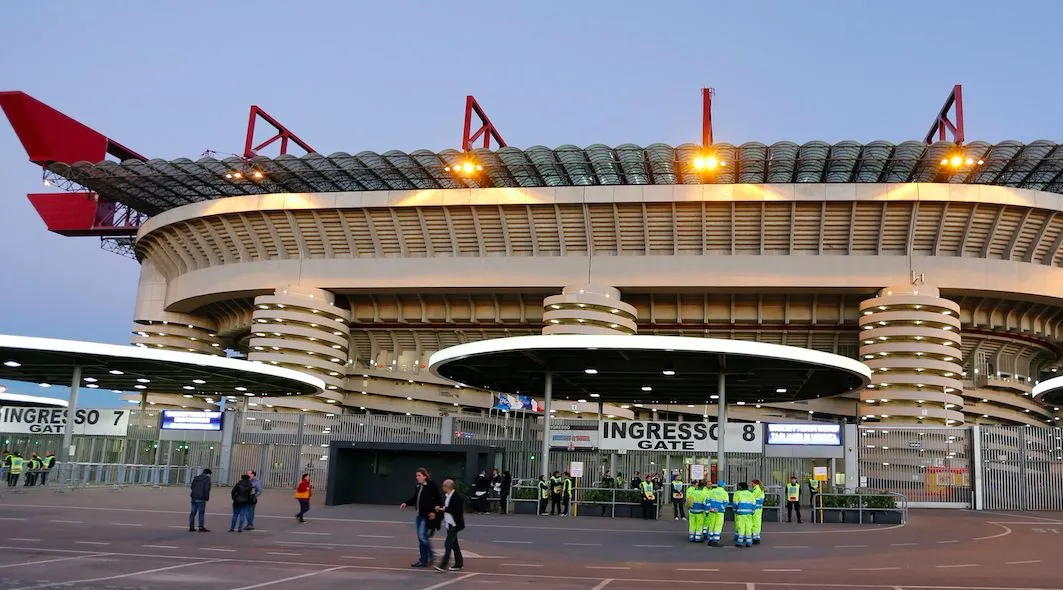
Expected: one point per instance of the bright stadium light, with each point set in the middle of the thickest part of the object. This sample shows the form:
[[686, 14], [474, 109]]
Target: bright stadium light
[[465, 168], [708, 162], [957, 160]]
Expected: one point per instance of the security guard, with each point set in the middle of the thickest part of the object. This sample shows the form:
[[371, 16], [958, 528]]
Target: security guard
[[649, 500], [556, 485], [744, 504], [566, 493], [793, 500], [695, 501], [544, 495], [17, 463], [678, 498], [33, 467], [813, 488], [715, 509], [758, 510]]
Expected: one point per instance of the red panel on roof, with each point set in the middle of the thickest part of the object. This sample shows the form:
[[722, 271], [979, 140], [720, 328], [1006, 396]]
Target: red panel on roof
[[51, 136], [68, 214]]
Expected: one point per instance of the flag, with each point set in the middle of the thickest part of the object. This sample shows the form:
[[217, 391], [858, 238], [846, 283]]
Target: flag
[[503, 402]]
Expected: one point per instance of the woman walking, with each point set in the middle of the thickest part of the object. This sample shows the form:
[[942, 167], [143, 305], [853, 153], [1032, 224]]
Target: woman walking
[[302, 493]]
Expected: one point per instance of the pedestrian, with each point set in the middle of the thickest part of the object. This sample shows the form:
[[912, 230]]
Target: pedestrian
[[696, 499], [15, 466], [715, 512], [566, 493], [743, 504], [813, 494], [556, 485], [302, 493], [544, 495], [200, 497], [793, 500], [453, 510], [256, 487], [242, 496], [496, 484], [758, 510], [678, 498], [636, 481], [33, 466], [426, 496], [649, 500], [480, 489], [49, 462], [503, 498]]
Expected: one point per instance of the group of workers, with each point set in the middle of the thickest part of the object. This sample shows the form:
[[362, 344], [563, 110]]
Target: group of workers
[[557, 491], [35, 468], [707, 505]]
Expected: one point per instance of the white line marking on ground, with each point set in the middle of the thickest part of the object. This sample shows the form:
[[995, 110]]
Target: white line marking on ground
[[309, 544], [23, 540], [304, 533], [12, 518], [602, 584], [607, 567], [91, 543], [792, 547], [68, 521], [281, 553], [696, 569], [29, 563], [1021, 562], [218, 549], [751, 586], [290, 578], [521, 564], [162, 546], [872, 569], [950, 541], [848, 546], [1022, 516], [377, 536], [583, 544], [126, 524], [119, 576], [1007, 531], [514, 542], [655, 546], [903, 544], [448, 582], [356, 557], [958, 565], [174, 526], [780, 570]]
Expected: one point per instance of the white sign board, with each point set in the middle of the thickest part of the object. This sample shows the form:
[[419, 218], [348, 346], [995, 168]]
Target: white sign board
[[575, 469], [819, 473], [577, 436], [804, 434], [697, 437], [46, 420], [697, 471]]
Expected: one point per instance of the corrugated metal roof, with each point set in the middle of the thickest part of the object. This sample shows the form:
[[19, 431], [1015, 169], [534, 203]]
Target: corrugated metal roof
[[157, 185]]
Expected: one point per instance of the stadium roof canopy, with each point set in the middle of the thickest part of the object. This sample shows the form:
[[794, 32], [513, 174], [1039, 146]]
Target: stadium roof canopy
[[649, 369], [129, 368], [158, 185]]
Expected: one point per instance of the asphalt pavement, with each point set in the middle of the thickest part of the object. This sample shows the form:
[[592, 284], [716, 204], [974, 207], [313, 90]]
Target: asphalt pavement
[[138, 538]]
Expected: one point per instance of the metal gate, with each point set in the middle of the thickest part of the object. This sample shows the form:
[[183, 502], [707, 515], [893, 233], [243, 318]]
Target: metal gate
[[1022, 468], [929, 465]]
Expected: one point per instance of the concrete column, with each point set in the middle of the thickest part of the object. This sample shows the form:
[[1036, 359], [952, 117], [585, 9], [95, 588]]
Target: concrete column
[[446, 430], [976, 467], [721, 425], [851, 442], [228, 435], [68, 429], [548, 394]]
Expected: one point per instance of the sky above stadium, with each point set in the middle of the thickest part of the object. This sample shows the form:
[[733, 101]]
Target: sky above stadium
[[173, 79]]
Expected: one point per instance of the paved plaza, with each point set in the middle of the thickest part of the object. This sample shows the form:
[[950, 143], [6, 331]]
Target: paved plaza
[[138, 538]]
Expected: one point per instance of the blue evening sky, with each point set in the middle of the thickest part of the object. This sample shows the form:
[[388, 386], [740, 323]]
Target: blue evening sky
[[172, 79]]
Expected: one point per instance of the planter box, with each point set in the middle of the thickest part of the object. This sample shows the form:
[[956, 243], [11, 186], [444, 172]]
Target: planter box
[[627, 511], [829, 516], [850, 516], [525, 507], [770, 514], [884, 516]]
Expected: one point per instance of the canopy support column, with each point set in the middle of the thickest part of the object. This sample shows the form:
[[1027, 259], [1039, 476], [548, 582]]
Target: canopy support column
[[548, 395], [721, 428], [71, 411]]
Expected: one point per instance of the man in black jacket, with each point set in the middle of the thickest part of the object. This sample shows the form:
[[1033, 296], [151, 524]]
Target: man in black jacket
[[200, 496], [425, 499], [453, 510]]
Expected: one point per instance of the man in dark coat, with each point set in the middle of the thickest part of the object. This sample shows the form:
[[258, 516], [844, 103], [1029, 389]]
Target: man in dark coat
[[454, 522], [200, 495], [426, 497]]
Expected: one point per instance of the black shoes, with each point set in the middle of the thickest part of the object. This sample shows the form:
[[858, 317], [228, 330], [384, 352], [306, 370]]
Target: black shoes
[[191, 529], [419, 564], [203, 530], [249, 528]]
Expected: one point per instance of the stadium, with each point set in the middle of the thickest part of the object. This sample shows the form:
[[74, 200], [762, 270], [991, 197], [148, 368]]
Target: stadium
[[937, 263]]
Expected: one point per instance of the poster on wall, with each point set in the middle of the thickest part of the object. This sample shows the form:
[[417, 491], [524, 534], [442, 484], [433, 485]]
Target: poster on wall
[[49, 420]]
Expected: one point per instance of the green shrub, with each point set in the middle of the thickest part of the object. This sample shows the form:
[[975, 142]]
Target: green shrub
[[525, 493]]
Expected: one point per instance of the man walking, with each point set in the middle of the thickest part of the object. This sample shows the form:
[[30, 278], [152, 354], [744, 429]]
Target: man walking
[[453, 510], [200, 497], [793, 500], [426, 497], [256, 488], [743, 504]]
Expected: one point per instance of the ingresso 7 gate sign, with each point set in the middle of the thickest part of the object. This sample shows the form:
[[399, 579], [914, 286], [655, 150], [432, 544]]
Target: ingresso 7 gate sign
[[41, 420]]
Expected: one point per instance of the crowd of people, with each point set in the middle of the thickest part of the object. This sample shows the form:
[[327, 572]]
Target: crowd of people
[[244, 495], [33, 470]]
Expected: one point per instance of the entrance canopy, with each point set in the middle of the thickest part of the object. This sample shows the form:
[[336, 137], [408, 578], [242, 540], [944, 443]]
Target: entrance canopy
[[1049, 391], [128, 368], [649, 369]]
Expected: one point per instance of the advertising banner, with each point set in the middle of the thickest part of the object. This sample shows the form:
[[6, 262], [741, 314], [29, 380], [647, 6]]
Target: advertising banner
[[48, 420], [805, 434], [575, 437], [186, 420]]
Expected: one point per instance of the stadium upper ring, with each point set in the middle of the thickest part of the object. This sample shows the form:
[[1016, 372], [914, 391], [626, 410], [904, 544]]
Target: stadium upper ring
[[158, 185]]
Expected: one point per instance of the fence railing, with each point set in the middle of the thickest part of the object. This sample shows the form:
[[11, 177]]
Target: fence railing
[[863, 507], [81, 475]]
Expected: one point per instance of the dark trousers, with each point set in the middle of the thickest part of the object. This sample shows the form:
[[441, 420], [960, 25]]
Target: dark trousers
[[44, 478], [503, 502], [677, 508], [790, 507], [12, 480], [31, 478], [199, 507], [566, 499], [542, 505], [239, 520], [649, 509], [451, 545], [304, 507], [555, 503]]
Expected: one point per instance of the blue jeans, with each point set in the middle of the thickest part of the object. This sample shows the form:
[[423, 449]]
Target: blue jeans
[[250, 515], [239, 517], [198, 507], [304, 507], [423, 544]]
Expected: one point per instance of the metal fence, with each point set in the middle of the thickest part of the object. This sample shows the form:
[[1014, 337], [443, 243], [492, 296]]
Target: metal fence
[[929, 465], [1021, 468]]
